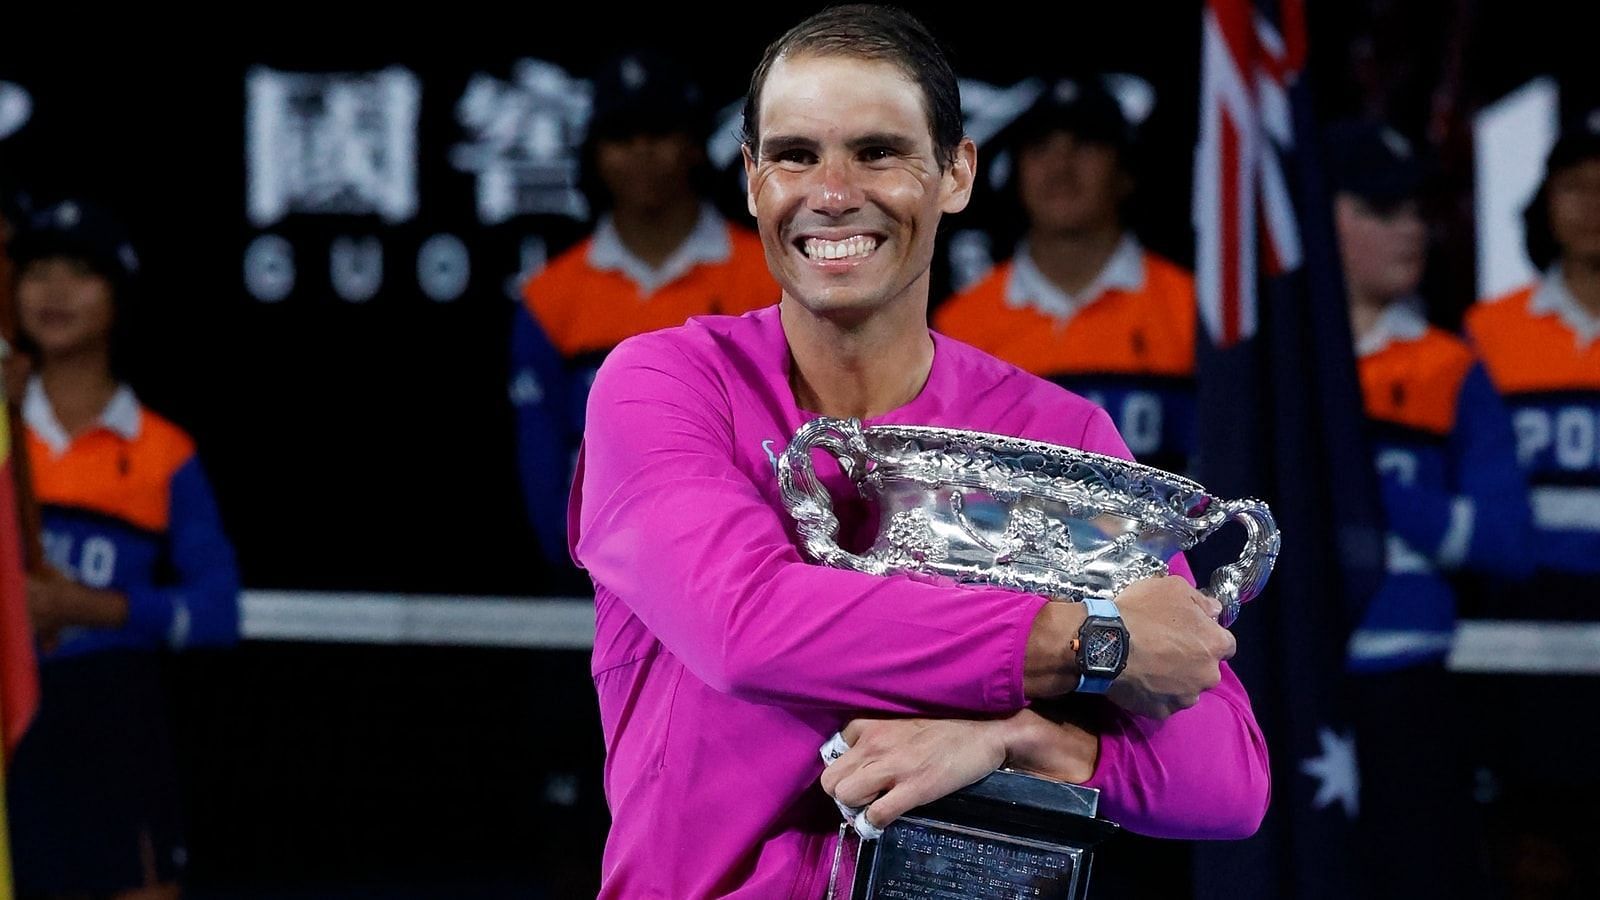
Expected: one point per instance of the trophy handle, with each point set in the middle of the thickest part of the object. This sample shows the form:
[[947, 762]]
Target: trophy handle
[[809, 502], [1240, 581]]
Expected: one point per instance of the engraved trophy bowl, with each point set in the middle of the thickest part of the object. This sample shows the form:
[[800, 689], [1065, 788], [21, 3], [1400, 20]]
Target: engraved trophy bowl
[[1036, 517]]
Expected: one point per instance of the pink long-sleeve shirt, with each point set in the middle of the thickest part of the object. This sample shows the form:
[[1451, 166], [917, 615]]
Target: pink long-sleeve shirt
[[723, 658]]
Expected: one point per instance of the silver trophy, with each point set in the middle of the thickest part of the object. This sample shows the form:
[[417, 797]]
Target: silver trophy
[[1041, 518], [1045, 519]]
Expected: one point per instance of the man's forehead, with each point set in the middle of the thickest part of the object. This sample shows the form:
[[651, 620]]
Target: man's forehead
[[859, 76], [820, 129], [811, 94]]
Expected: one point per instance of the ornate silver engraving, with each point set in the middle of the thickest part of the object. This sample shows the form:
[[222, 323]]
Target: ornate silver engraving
[[1035, 517]]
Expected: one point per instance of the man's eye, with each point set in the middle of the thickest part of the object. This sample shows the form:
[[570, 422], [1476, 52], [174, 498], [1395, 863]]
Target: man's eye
[[802, 157], [873, 154]]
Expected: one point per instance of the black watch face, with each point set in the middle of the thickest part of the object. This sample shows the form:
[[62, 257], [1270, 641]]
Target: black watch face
[[1103, 649]]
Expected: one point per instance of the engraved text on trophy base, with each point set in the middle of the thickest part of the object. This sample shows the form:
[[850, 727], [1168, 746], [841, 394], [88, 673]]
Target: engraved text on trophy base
[[920, 859]]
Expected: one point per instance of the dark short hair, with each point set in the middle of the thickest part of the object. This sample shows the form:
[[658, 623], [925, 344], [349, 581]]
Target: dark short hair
[[870, 31], [1578, 142]]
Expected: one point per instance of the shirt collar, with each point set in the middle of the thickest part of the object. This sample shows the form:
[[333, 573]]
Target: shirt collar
[[1029, 287], [121, 416], [1400, 321], [1554, 298], [708, 242]]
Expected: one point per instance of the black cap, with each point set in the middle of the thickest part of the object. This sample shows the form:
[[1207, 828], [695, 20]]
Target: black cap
[[643, 92], [77, 229], [1082, 106], [1374, 162], [1579, 140]]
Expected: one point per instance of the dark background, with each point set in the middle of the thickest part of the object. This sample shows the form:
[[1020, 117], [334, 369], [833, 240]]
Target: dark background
[[367, 447]]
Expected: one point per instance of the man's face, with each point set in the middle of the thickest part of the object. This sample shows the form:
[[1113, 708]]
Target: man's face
[[647, 172], [1069, 185], [1575, 210], [846, 186], [64, 305], [1384, 248]]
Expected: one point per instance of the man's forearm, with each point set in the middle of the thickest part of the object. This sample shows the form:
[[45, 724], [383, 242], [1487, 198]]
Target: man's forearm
[[1061, 750]]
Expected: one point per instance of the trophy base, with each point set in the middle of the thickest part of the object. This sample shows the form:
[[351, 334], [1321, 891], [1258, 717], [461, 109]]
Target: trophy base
[[1010, 835]]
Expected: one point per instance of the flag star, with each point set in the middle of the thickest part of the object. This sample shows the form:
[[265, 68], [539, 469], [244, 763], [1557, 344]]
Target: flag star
[[1338, 778]]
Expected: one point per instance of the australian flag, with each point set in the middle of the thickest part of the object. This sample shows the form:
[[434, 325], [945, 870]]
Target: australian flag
[[1280, 418]]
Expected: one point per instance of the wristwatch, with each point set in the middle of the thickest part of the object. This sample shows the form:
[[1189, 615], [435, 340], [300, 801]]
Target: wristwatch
[[1101, 647]]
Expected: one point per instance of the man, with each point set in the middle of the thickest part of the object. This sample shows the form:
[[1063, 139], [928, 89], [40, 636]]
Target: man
[[723, 659], [660, 254], [1455, 504], [1080, 302]]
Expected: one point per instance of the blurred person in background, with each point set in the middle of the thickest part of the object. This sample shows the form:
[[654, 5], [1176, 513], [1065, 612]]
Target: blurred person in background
[[138, 565], [1541, 344], [660, 254], [1455, 504], [1080, 301]]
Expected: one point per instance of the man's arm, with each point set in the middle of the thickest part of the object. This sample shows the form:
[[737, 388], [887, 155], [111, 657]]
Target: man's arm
[[669, 524], [1174, 647], [1201, 773], [676, 531]]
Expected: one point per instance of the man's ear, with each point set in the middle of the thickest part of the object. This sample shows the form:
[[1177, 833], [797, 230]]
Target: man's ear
[[960, 176]]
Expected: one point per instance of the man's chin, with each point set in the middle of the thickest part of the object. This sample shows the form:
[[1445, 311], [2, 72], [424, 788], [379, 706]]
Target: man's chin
[[844, 310]]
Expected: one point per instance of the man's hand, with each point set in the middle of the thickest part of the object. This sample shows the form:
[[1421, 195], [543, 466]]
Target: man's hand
[[1175, 647], [896, 765]]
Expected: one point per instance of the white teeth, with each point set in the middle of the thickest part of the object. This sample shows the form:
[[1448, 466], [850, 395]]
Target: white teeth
[[851, 247]]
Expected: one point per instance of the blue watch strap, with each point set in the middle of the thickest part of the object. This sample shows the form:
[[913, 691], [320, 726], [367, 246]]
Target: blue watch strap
[[1099, 606], [1096, 606]]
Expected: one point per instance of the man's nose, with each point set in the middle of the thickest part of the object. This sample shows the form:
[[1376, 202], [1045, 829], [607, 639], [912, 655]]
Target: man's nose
[[835, 191]]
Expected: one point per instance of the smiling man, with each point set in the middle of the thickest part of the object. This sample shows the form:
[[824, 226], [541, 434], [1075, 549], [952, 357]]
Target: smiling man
[[723, 659]]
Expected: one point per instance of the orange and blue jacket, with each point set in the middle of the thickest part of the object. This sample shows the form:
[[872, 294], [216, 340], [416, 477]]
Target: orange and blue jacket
[[588, 300], [124, 506], [1130, 349], [1544, 357], [1453, 497]]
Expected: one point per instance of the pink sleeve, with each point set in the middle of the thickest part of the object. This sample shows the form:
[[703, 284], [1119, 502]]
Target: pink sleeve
[[676, 531], [1201, 773]]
